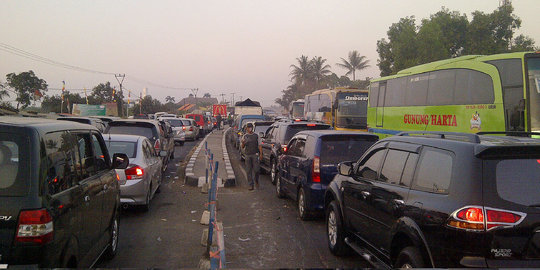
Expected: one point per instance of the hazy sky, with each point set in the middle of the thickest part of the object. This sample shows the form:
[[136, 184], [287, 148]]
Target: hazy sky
[[245, 47]]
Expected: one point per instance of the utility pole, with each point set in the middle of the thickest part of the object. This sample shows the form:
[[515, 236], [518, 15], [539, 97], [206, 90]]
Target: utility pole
[[232, 99], [194, 91], [123, 76], [222, 98]]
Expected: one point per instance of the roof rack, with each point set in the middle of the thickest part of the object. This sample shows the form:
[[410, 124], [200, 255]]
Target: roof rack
[[509, 133], [473, 138]]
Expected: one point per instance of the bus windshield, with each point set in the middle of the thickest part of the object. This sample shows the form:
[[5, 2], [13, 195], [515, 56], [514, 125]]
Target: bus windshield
[[533, 66], [297, 110], [351, 110]]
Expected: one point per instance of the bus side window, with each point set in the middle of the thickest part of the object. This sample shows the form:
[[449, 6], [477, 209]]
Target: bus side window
[[373, 94]]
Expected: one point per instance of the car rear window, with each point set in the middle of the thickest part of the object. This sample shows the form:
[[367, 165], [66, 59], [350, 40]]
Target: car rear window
[[518, 180], [245, 120], [147, 132], [186, 122], [293, 129], [14, 164], [260, 129], [128, 148], [336, 149], [175, 122]]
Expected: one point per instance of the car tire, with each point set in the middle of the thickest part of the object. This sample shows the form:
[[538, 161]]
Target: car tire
[[146, 205], [273, 171], [303, 213], [410, 257], [279, 189], [112, 249], [335, 231]]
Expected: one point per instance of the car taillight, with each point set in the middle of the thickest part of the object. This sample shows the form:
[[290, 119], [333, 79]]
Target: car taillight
[[157, 145], [35, 226], [117, 177], [477, 218], [134, 172], [191, 129], [284, 148], [311, 125], [316, 173], [183, 128]]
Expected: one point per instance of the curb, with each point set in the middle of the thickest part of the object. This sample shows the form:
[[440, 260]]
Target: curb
[[192, 180], [231, 178]]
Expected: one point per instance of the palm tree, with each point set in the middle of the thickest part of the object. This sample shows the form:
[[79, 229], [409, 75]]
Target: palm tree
[[356, 62], [169, 99], [302, 73], [319, 69]]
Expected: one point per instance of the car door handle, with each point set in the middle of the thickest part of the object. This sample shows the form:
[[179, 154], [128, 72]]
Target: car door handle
[[365, 194], [398, 202], [86, 198]]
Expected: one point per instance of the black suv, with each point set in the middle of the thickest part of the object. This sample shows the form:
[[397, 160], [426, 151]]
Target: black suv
[[59, 194], [158, 132], [276, 138], [439, 200]]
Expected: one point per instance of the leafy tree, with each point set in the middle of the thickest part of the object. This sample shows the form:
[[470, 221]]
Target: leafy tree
[[3, 91], [54, 103], [449, 34], [207, 95], [354, 62], [103, 93], [25, 84], [523, 43], [149, 105]]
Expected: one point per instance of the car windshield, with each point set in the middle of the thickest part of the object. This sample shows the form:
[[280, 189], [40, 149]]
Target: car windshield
[[517, 180], [335, 149], [132, 130], [175, 122], [291, 130], [259, 129], [128, 148], [15, 167]]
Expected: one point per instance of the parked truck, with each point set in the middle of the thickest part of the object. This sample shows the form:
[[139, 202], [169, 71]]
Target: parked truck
[[248, 107]]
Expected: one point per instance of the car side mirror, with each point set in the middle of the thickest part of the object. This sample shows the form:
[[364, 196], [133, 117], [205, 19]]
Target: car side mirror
[[345, 168], [120, 161], [163, 153]]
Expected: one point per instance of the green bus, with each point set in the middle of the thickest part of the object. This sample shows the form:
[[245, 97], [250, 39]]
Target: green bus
[[471, 93]]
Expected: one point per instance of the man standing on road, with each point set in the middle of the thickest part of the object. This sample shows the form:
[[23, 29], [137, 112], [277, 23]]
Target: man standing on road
[[218, 120], [250, 143]]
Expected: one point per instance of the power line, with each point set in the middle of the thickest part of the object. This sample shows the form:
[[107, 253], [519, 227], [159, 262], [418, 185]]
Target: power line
[[35, 57], [12, 50]]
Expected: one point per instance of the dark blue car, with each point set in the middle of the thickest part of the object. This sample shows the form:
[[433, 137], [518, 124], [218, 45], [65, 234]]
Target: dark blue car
[[310, 163]]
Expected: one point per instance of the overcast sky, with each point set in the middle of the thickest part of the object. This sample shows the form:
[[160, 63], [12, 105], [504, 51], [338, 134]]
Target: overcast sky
[[245, 47]]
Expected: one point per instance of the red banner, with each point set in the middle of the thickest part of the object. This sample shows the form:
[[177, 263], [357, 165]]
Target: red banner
[[219, 109]]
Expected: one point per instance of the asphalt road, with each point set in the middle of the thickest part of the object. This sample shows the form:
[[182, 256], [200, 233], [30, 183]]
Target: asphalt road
[[167, 236], [261, 230]]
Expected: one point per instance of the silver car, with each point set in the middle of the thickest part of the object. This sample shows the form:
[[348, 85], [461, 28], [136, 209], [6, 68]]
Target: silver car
[[190, 128], [141, 179], [178, 129]]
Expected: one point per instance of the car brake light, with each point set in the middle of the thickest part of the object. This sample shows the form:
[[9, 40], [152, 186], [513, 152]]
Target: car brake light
[[117, 177], [316, 173], [35, 226], [184, 128], [284, 148], [496, 218], [311, 125], [191, 129], [483, 218], [157, 146], [134, 172], [297, 120]]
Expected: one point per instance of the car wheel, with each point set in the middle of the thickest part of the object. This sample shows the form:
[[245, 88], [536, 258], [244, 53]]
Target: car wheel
[[335, 231], [146, 205], [111, 250], [279, 190], [410, 257], [273, 172], [302, 211]]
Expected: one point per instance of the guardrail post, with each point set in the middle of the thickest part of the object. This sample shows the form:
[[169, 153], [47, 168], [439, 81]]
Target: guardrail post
[[212, 209]]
